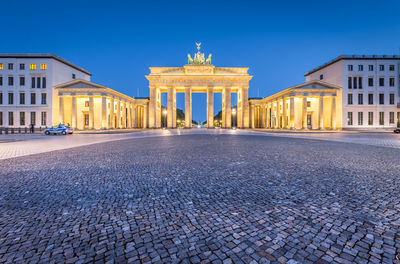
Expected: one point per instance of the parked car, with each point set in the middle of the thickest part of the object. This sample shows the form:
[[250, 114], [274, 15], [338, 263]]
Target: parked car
[[397, 131], [59, 130]]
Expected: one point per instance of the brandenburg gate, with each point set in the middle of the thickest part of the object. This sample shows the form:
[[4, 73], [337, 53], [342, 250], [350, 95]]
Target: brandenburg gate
[[199, 76]]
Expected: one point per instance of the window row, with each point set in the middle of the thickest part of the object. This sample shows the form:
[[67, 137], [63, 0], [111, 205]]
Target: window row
[[370, 121], [32, 66], [355, 82], [360, 98], [43, 98], [22, 118], [370, 67], [36, 82]]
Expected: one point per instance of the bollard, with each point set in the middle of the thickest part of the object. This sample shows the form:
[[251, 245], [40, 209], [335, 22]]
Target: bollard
[[12, 130], [26, 130], [1, 131], [19, 130], [6, 129]]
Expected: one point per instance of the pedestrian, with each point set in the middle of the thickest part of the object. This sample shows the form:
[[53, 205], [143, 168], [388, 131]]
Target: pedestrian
[[32, 128]]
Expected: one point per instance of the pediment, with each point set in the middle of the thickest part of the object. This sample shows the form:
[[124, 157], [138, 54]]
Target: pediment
[[80, 84], [315, 86]]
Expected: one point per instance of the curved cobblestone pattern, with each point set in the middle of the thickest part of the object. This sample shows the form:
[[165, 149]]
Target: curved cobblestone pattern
[[202, 198]]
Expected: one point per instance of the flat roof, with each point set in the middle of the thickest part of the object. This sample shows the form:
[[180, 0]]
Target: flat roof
[[43, 55], [354, 57]]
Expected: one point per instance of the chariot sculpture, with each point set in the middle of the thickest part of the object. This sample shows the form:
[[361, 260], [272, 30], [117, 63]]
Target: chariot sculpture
[[199, 58]]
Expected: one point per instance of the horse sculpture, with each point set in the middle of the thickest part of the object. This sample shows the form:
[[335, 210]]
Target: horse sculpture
[[190, 60], [208, 61]]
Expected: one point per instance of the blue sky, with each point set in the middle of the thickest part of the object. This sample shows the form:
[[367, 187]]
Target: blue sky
[[278, 40]]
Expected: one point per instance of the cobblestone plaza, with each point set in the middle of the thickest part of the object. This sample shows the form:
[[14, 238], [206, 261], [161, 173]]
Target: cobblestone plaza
[[206, 197]]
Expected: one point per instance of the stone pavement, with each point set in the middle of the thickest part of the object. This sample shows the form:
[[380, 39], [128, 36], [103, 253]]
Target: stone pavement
[[209, 197]]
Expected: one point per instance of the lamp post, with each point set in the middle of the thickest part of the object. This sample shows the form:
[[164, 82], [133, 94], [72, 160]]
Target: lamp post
[[165, 112], [234, 117]]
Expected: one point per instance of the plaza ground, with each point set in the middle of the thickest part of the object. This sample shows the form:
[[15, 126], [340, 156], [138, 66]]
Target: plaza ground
[[220, 196]]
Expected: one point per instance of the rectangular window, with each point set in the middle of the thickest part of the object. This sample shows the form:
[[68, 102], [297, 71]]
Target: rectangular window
[[1, 80], [43, 118], [381, 118], [10, 98], [381, 98], [360, 99], [370, 67], [1, 66], [381, 81], [391, 117], [381, 67], [33, 98], [10, 80], [43, 66], [371, 99], [22, 118], [44, 82], [33, 82], [360, 118], [22, 98], [22, 66], [359, 82], [370, 81], [22, 80], [360, 67], [1, 118], [73, 76], [350, 67], [370, 118], [10, 118], [321, 77], [32, 66], [350, 118], [86, 103], [33, 118], [355, 82], [349, 82], [38, 82], [1, 98], [43, 98], [10, 66], [391, 81], [350, 99], [391, 67], [391, 99]]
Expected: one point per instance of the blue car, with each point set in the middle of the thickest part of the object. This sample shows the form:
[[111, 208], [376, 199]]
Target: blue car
[[59, 130]]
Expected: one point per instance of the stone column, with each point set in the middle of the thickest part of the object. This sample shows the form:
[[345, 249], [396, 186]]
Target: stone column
[[188, 107], [321, 113], [245, 106], [74, 113], [61, 108], [333, 113], [284, 118], [133, 107], [278, 111], [210, 107], [91, 112], [304, 114], [112, 118], [268, 116], [292, 113], [152, 108], [170, 108], [158, 107], [263, 116], [145, 111], [253, 116], [228, 108], [104, 112], [118, 114]]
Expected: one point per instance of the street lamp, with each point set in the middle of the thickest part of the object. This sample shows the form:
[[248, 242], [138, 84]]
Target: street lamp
[[234, 118], [165, 112]]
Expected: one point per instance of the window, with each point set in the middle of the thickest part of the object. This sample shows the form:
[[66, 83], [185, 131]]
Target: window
[[22, 118], [350, 99], [22, 80], [32, 66], [86, 119], [33, 98], [360, 118], [22, 66], [359, 82], [381, 118], [87, 103], [308, 104], [391, 81], [73, 76], [350, 67], [10, 66], [1, 118], [370, 81], [391, 99], [43, 98], [321, 77], [355, 82], [370, 118], [371, 99], [22, 98], [10, 98], [350, 118], [381, 98], [370, 67], [381, 81], [43, 66], [44, 82], [1, 66], [349, 82], [10, 80], [360, 67], [381, 67], [391, 67], [360, 99], [1, 98], [33, 82], [38, 82], [1, 80], [10, 118], [33, 118], [43, 118], [391, 117]]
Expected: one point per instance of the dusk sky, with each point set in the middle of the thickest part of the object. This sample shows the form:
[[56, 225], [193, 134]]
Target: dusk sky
[[117, 41]]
